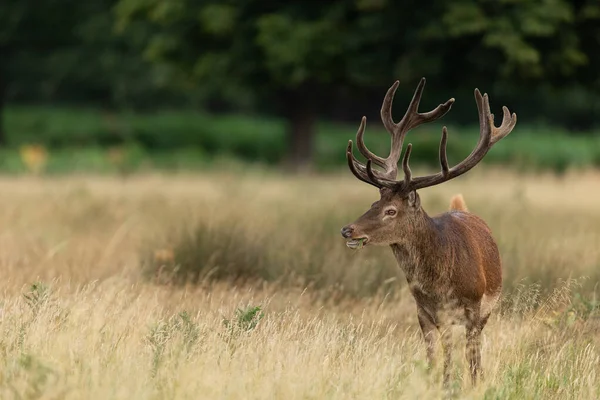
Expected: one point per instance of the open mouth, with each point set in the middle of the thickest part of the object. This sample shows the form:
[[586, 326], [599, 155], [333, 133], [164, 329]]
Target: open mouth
[[357, 243]]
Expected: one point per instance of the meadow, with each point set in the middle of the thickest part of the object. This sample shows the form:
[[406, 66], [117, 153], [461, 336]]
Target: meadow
[[237, 285]]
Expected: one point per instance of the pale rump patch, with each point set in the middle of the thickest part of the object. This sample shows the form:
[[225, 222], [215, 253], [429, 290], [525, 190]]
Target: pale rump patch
[[487, 304]]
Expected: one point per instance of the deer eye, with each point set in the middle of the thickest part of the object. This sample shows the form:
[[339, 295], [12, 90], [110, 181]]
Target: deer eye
[[390, 212]]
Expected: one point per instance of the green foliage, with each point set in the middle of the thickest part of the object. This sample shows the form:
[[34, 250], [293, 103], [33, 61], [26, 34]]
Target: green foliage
[[290, 58], [157, 339], [580, 310], [526, 39], [244, 46], [86, 140], [251, 139], [241, 324], [297, 51], [47, 54], [251, 45], [244, 320], [512, 29], [37, 297], [281, 55], [179, 329], [38, 376]]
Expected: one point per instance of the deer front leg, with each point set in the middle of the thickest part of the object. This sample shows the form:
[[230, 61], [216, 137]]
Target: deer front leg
[[446, 332], [429, 331]]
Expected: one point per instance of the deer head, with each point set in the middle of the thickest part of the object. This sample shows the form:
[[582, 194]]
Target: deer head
[[398, 211]]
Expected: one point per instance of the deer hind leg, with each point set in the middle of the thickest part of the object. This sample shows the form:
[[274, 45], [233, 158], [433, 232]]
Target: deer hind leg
[[474, 351], [429, 331]]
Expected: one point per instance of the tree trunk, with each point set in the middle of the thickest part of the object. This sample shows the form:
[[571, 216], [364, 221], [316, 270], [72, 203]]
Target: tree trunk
[[3, 87], [301, 118], [2, 131]]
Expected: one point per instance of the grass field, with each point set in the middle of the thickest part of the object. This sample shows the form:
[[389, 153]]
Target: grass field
[[95, 303]]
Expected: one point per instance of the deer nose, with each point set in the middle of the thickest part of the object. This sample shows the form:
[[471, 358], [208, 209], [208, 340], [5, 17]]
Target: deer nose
[[347, 231]]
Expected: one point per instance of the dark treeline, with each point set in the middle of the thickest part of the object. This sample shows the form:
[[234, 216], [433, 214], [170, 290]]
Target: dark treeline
[[304, 60]]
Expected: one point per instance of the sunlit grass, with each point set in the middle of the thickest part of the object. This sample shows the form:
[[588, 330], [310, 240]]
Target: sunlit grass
[[117, 340], [279, 308]]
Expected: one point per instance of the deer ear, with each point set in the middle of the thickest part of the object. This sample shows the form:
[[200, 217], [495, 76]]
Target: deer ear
[[413, 199]]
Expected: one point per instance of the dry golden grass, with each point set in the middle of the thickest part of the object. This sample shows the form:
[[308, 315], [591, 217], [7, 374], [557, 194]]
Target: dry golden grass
[[96, 329]]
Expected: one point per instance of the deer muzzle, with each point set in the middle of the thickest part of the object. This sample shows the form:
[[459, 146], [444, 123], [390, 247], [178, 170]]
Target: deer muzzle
[[353, 243]]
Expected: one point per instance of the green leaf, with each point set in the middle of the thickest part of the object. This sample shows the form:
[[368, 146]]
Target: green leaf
[[218, 19]]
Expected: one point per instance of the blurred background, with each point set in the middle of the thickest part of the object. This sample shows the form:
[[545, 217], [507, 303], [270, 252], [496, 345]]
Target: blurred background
[[127, 85]]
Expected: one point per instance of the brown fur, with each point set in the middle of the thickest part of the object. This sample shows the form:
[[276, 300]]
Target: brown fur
[[451, 263]]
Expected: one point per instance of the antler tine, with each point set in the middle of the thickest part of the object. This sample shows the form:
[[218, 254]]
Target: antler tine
[[375, 176], [355, 166], [390, 163], [399, 130], [482, 108], [485, 116], [443, 155], [489, 134], [508, 123], [360, 143], [371, 174], [486, 122], [411, 119], [386, 108], [406, 167], [362, 172]]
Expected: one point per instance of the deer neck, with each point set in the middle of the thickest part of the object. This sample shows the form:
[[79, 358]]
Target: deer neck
[[415, 249]]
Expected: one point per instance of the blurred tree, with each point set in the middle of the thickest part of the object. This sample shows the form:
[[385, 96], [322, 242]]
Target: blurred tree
[[285, 54], [2, 100], [66, 50], [34, 38], [292, 55], [542, 55], [11, 15]]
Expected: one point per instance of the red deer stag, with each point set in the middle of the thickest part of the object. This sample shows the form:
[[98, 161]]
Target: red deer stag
[[451, 261]]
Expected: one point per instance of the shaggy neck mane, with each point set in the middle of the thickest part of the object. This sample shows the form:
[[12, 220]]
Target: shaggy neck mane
[[415, 251]]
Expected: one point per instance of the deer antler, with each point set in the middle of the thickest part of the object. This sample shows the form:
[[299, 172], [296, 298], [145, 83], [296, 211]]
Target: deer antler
[[412, 118], [488, 136]]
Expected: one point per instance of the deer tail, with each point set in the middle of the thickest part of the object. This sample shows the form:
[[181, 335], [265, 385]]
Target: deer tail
[[457, 203]]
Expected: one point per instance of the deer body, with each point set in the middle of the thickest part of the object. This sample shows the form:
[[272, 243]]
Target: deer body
[[454, 273], [451, 261]]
